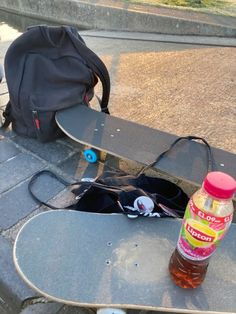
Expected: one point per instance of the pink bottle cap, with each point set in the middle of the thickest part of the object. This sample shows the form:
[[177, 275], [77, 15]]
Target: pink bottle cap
[[220, 185]]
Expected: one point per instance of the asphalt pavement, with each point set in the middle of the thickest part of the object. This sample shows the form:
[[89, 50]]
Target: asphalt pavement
[[181, 86]]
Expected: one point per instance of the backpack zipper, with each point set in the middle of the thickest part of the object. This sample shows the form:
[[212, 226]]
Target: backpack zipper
[[36, 122]]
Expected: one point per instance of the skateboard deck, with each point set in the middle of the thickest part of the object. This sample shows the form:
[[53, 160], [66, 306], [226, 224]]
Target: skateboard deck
[[96, 260], [129, 140]]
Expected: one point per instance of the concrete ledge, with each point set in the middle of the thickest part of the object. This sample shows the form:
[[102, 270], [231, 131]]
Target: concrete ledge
[[138, 36], [97, 16], [12, 290]]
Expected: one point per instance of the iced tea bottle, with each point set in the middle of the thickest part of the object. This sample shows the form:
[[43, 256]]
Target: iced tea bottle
[[207, 218]]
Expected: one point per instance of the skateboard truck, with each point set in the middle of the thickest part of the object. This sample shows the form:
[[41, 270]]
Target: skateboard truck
[[92, 155]]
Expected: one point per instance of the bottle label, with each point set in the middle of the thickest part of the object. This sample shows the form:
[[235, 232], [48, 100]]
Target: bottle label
[[201, 232]]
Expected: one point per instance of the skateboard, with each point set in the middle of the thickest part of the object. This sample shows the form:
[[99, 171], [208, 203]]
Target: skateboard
[[113, 263], [129, 140]]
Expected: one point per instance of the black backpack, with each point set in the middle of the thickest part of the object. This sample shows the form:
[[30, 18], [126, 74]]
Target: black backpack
[[49, 68]]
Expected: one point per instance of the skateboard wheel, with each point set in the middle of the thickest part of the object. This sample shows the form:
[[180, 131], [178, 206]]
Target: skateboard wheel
[[90, 155]]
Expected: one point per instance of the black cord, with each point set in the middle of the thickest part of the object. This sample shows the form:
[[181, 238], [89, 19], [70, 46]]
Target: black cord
[[189, 138], [35, 177]]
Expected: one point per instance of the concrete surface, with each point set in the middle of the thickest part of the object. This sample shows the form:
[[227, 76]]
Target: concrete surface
[[118, 15], [165, 38], [179, 88]]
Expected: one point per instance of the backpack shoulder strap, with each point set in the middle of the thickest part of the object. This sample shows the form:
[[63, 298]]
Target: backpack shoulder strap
[[6, 114], [94, 62]]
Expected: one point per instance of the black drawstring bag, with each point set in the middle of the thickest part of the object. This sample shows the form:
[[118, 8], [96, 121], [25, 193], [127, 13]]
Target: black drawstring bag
[[135, 196], [117, 192]]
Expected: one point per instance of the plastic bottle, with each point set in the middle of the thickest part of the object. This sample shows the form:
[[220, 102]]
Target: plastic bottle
[[207, 218]]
